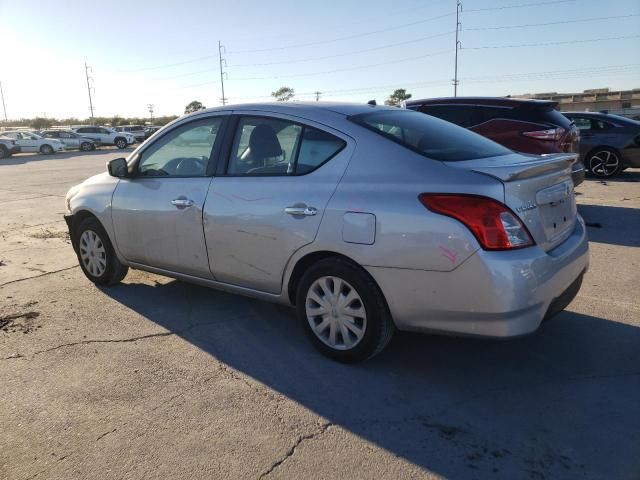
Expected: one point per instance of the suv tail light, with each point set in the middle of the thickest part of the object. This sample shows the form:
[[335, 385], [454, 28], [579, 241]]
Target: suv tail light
[[551, 134], [493, 224]]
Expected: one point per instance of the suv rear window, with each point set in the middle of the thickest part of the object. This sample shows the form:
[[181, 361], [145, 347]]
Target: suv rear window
[[539, 115], [429, 136]]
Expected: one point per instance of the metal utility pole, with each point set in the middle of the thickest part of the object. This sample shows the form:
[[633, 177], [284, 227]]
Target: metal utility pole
[[222, 73], [317, 96], [458, 25], [4, 108], [86, 72], [150, 108]]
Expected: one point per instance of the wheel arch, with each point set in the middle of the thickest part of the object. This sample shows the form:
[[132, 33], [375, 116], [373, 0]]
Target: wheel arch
[[306, 261]]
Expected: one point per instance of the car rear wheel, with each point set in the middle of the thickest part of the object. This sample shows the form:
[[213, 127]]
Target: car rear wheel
[[96, 255], [344, 311], [86, 146], [46, 149], [4, 153], [121, 143], [604, 163]]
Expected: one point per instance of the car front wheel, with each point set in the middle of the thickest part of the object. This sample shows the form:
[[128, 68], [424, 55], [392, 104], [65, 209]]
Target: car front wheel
[[96, 255], [86, 146], [46, 149], [344, 311], [121, 143]]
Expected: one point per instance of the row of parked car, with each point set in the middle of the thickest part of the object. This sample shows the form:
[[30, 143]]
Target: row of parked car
[[607, 144], [84, 138]]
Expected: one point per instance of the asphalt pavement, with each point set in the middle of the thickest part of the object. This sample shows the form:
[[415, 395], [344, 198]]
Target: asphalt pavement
[[157, 378]]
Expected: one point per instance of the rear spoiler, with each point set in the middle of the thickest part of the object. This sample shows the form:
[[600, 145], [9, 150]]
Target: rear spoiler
[[518, 170]]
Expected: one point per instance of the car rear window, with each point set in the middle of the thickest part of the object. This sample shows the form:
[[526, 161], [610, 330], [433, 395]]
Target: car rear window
[[546, 115], [429, 136]]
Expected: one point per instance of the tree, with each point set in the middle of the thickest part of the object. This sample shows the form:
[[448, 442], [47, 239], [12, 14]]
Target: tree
[[194, 107], [397, 97], [39, 123], [283, 94]]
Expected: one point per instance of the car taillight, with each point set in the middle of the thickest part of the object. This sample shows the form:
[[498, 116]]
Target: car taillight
[[493, 224], [549, 134]]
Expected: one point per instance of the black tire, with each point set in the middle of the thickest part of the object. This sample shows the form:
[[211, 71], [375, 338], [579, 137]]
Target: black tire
[[120, 142], [4, 153], [379, 327], [114, 271], [604, 162], [46, 149], [86, 146]]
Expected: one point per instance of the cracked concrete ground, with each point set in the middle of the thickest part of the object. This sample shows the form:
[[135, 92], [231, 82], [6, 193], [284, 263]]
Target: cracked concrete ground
[[160, 379]]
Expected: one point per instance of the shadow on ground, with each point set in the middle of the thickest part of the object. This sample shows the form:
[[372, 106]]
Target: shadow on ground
[[631, 175], [21, 158], [562, 403], [613, 225]]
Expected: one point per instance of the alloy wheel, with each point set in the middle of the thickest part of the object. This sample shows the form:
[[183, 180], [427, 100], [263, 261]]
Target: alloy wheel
[[92, 253], [604, 163], [336, 313]]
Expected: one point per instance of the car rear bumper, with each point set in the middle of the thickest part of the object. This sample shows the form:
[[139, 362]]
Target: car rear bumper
[[491, 294], [578, 173]]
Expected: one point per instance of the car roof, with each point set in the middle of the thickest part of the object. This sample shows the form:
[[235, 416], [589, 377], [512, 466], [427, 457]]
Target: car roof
[[310, 109], [604, 116], [497, 101]]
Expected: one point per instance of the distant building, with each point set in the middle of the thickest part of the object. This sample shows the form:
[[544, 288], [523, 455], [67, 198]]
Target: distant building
[[620, 102]]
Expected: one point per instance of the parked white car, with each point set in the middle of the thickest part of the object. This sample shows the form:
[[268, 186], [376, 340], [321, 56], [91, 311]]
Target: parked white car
[[136, 130], [106, 136], [30, 142]]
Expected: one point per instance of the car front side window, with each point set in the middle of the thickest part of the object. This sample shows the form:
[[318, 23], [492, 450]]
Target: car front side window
[[183, 152]]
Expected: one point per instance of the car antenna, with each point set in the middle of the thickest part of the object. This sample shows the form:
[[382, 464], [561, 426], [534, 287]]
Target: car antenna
[[372, 102]]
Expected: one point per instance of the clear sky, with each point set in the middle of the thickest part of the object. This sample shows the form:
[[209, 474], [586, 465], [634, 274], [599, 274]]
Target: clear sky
[[166, 52]]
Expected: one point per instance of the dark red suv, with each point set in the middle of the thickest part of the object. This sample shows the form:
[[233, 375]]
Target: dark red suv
[[529, 126]]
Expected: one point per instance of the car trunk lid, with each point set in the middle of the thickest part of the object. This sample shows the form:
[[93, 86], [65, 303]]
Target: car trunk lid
[[539, 190]]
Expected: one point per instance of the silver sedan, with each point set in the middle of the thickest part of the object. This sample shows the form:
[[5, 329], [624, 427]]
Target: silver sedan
[[366, 219]]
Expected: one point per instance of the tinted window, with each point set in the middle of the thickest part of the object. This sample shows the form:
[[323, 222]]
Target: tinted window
[[83, 130], [269, 146], [183, 152], [537, 114], [459, 114], [103, 131], [429, 136], [582, 123], [485, 113], [51, 134], [65, 135]]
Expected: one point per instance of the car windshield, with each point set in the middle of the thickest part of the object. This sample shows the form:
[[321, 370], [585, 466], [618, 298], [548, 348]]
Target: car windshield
[[429, 136]]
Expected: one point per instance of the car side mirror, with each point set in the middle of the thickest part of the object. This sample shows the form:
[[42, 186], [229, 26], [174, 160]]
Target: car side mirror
[[118, 168]]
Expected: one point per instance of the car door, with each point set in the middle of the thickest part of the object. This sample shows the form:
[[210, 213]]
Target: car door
[[587, 134], [27, 142], [157, 212], [69, 140], [267, 200]]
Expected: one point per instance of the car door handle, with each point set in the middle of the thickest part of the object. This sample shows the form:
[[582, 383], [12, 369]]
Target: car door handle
[[306, 211], [182, 202]]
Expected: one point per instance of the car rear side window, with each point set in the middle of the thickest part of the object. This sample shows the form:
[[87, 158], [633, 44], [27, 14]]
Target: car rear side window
[[539, 114], [271, 146], [430, 136]]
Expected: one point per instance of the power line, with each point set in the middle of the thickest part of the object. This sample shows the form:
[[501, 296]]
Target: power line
[[347, 69], [564, 22], [169, 65], [343, 54], [522, 5], [546, 44], [558, 74], [347, 37]]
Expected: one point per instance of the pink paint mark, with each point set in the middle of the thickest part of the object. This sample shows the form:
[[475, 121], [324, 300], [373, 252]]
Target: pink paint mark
[[450, 254]]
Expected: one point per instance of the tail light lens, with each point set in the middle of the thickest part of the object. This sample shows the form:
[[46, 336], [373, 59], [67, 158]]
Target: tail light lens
[[552, 134], [493, 224]]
